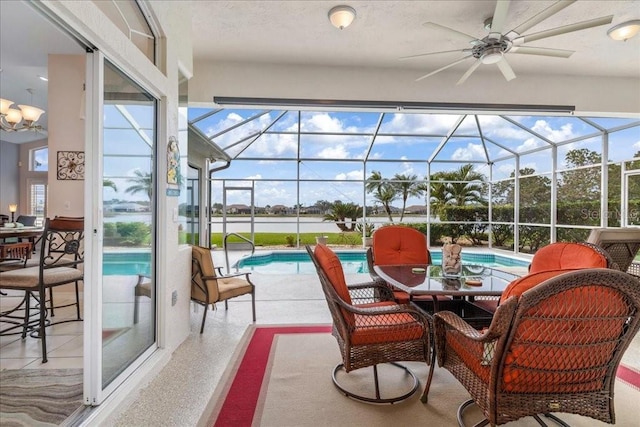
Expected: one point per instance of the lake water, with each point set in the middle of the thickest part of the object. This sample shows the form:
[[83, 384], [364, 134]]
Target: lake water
[[308, 224]]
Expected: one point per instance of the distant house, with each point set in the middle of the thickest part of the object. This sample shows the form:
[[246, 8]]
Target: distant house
[[279, 210], [128, 207], [311, 210], [416, 209], [238, 209]]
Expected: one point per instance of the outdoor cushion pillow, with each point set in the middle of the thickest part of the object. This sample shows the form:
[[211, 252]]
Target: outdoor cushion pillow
[[399, 245], [566, 256]]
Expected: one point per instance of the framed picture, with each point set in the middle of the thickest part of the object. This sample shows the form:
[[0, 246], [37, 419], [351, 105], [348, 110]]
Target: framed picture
[[70, 165]]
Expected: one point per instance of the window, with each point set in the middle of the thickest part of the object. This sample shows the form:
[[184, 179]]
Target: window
[[39, 159]]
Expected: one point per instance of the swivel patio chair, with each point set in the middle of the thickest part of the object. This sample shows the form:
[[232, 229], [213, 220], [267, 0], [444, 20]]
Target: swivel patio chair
[[61, 256], [554, 345], [371, 328], [558, 257], [622, 244], [393, 245], [208, 288]]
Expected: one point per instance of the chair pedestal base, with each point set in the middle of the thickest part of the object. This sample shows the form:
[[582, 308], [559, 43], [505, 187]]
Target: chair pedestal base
[[484, 422], [378, 398]]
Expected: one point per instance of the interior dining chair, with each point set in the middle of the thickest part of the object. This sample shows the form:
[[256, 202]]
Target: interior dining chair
[[61, 258], [622, 244], [396, 245], [371, 328], [554, 346], [208, 287], [14, 255]]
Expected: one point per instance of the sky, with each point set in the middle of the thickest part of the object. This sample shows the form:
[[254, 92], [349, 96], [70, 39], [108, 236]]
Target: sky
[[334, 144]]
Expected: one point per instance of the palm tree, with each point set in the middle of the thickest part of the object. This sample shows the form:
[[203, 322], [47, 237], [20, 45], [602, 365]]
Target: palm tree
[[407, 186], [143, 182], [340, 212], [109, 183], [382, 190], [469, 191]]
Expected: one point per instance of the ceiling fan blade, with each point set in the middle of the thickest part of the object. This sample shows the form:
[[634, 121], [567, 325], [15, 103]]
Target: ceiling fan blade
[[451, 31], [443, 68], [506, 70], [402, 58], [471, 69], [536, 19], [542, 51], [499, 18], [563, 30]]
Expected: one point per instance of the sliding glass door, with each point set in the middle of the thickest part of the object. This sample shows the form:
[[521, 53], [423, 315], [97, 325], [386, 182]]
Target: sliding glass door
[[120, 279]]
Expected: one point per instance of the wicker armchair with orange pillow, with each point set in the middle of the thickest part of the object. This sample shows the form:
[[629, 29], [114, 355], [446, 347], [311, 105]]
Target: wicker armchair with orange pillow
[[554, 345], [396, 245], [371, 328]]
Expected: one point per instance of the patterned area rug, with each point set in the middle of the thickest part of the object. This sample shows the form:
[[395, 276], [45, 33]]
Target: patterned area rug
[[39, 397], [281, 377]]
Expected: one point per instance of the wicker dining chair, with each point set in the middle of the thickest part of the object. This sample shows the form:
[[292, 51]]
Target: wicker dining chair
[[555, 347], [208, 288], [395, 245], [371, 328]]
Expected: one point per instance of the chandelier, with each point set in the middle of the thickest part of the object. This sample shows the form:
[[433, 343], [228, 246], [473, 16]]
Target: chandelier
[[19, 119]]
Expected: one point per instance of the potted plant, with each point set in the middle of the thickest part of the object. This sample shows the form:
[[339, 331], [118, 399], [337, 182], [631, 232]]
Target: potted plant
[[322, 240], [366, 228]]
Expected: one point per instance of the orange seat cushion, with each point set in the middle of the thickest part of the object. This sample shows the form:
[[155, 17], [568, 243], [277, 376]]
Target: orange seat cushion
[[384, 328], [399, 245], [566, 256]]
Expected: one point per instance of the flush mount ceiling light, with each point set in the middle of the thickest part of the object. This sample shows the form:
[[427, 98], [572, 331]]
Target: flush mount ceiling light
[[624, 31], [342, 16]]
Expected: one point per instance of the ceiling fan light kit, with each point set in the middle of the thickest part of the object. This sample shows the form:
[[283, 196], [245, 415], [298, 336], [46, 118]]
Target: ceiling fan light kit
[[624, 31], [342, 16], [498, 44]]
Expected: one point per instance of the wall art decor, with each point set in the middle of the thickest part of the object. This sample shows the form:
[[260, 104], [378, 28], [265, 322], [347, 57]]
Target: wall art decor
[[70, 165], [173, 162]]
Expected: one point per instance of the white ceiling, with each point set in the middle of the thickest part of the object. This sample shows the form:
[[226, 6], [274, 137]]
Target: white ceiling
[[26, 40], [299, 32]]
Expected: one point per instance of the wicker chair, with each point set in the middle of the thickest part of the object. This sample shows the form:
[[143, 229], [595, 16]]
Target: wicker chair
[[622, 244], [557, 257], [61, 258], [371, 328], [554, 348], [208, 288], [393, 245]]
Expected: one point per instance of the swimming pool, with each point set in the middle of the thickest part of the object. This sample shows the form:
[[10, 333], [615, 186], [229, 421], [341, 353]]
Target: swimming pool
[[294, 262], [126, 263]]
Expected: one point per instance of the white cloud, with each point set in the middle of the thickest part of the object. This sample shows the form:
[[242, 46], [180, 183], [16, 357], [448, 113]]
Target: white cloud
[[471, 152], [636, 145], [336, 152], [351, 175], [556, 135], [256, 176], [529, 144], [420, 123]]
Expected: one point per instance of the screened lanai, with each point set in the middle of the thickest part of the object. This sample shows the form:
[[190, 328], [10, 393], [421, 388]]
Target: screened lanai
[[509, 181]]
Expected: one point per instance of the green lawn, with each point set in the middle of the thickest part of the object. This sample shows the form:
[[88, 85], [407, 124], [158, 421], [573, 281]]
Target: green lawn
[[279, 239]]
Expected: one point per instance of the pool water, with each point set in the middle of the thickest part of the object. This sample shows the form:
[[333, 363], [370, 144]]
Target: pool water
[[353, 262], [126, 263]]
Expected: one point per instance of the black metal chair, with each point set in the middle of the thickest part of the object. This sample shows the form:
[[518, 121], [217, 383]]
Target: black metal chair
[[61, 255]]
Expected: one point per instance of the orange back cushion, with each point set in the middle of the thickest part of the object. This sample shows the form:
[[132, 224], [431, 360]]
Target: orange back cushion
[[399, 245], [332, 267], [523, 284], [566, 256]]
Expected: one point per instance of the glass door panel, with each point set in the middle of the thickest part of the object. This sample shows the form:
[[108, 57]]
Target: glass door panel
[[193, 206], [128, 247]]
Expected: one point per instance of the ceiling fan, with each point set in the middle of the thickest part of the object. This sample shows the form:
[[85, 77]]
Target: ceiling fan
[[493, 48]]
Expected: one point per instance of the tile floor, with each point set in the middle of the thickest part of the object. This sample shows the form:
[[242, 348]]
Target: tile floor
[[170, 400]]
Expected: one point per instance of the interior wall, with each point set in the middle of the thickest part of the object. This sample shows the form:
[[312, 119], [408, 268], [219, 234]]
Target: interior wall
[[9, 176], [66, 131], [589, 95]]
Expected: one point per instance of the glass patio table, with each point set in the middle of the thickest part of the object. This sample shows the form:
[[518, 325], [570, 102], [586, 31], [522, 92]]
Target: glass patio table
[[457, 293]]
